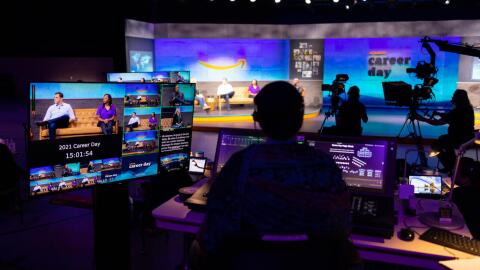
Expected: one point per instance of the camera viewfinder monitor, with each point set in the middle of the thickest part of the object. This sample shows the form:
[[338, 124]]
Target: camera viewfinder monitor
[[429, 186], [197, 166], [83, 134]]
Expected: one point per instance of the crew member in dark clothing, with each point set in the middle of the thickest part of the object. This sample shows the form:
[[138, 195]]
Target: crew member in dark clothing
[[460, 122], [351, 114], [467, 195], [278, 187]]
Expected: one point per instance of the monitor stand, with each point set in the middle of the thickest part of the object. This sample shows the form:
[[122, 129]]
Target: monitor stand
[[111, 218]]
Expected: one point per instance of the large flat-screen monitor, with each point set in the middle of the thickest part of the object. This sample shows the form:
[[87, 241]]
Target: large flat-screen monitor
[[159, 76], [84, 134], [368, 165]]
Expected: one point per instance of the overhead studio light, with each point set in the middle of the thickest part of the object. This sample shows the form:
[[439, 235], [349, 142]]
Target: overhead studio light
[[336, 1], [308, 2], [447, 2], [253, 1], [277, 1]]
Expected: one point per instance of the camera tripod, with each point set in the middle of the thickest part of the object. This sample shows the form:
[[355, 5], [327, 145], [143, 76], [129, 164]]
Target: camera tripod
[[416, 134], [331, 112]]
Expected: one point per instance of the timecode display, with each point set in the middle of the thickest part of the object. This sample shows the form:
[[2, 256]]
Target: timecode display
[[79, 154]]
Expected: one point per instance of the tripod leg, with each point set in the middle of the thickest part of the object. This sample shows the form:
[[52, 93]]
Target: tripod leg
[[417, 134], [403, 126], [323, 124]]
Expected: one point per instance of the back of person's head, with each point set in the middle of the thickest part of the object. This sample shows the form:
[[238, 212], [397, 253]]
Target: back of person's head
[[354, 93], [460, 99], [279, 110]]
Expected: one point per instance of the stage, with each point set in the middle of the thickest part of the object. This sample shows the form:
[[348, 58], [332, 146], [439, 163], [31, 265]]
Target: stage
[[382, 122]]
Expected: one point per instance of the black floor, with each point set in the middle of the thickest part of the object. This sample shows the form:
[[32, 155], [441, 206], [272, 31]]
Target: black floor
[[61, 237]]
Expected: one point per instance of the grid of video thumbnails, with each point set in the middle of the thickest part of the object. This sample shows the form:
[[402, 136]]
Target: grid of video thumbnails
[[84, 134]]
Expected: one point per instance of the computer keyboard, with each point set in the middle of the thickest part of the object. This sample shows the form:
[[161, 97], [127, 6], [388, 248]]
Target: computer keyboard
[[452, 240]]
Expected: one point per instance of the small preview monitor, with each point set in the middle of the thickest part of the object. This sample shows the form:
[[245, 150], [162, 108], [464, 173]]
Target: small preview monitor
[[426, 185], [197, 165]]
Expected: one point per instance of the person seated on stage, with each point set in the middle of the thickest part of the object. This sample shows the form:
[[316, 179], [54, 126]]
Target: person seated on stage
[[177, 119], [225, 91], [253, 89], [460, 122], [278, 187], [106, 114], [133, 122], [467, 195], [153, 122], [62, 185], [90, 167], [37, 188], [67, 171], [299, 86], [199, 97], [58, 115], [84, 181], [178, 78], [142, 80], [177, 98], [351, 114]]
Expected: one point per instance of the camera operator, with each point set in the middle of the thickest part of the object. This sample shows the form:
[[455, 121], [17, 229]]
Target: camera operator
[[351, 114], [460, 122]]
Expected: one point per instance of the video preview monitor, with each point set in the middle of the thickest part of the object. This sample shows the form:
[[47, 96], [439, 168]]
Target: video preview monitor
[[426, 185], [368, 165], [159, 76], [83, 134]]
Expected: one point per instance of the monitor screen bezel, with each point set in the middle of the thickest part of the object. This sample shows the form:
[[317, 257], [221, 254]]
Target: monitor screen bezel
[[428, 195], [389, 178], [29, 141], [231, 131]]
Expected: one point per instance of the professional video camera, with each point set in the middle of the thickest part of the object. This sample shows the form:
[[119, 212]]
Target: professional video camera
[[403, 94], [337, 86], [336, 89], [423, 70]]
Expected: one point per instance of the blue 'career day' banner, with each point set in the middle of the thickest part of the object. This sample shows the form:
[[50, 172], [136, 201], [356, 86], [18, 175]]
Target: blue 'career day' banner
[[371, 61]]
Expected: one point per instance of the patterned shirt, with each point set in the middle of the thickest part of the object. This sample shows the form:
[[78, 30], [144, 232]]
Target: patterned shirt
[[281, 188]]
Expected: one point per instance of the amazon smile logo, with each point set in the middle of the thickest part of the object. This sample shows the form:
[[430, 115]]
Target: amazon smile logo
[[240, 63], [240, 56]]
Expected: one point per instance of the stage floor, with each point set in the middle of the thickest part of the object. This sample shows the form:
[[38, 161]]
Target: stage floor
[[381, 122]]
